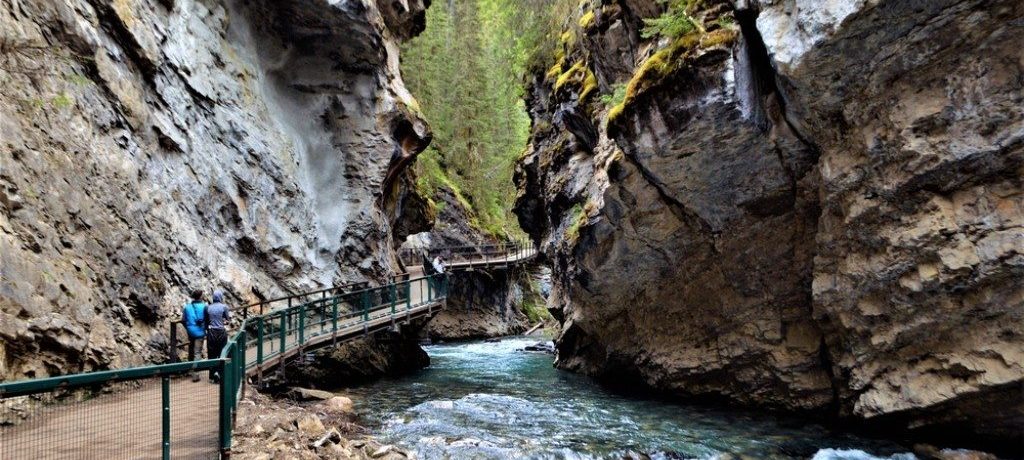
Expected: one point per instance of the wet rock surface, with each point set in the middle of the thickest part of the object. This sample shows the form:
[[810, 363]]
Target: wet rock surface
[[822, 212], [541, 347], [481, 304], [150, 148]]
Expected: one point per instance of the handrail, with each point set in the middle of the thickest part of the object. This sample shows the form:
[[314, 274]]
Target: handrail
[[233, 365], [234, 352], [26, 387], [260, 304], [482, 254]]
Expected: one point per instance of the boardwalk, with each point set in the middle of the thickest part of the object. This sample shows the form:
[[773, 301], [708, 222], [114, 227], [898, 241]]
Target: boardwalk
[[128, 421]]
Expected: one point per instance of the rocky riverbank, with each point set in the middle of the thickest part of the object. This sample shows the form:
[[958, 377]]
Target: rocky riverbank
[[810, 207], [324, 428]]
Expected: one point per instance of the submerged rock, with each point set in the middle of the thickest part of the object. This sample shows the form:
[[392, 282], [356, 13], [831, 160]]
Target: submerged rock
[[542, 347]]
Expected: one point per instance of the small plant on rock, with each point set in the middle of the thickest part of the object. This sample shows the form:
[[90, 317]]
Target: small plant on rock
[[676, 22], [616, 97]]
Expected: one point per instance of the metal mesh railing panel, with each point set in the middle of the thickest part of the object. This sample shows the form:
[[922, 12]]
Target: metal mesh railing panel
[[195, 407], [124, 424]]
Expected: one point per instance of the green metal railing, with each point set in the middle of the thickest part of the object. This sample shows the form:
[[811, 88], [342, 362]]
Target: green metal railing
[[75, 416], [472, 255]]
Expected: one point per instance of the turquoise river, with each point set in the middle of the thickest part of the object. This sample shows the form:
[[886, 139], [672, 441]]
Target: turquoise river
[[485, 400]]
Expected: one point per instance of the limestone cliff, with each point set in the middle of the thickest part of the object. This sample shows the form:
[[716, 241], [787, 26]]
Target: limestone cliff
[[800, 205], [150, 147]]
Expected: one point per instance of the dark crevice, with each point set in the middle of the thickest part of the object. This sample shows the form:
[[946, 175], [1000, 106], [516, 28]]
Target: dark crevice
[[826, 362], [121, 35], [765, 80], [768, 111], [758, 63]]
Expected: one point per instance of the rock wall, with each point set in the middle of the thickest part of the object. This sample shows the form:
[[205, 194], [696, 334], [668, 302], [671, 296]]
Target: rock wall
[[386, 353], [482, 303], [151, 147], [804, 206]]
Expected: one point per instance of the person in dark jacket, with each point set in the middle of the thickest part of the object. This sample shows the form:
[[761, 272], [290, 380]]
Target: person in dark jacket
[[217, 317], [193, 316]]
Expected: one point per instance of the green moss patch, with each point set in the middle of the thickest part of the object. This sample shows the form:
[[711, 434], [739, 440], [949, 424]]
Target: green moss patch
[[578, 76], [579, 219], [588, 21], [668, 61]]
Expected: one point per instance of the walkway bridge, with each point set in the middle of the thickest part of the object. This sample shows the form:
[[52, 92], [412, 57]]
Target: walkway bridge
[[460, 258], [156, 411]]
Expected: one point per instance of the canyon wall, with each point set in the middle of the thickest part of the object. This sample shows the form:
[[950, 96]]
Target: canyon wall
[[481, 303], [151, 147], [811, 206]]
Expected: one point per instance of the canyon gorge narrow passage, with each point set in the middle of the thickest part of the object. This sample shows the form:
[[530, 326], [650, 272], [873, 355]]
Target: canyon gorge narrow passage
[[732, 228]]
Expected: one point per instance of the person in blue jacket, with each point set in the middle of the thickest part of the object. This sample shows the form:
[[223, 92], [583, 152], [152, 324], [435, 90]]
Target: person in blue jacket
[[193, 316]]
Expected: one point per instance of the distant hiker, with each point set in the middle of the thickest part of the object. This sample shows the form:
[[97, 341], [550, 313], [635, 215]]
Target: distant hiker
[[217, 316], [427, 264], [193, 316], [438, 265]]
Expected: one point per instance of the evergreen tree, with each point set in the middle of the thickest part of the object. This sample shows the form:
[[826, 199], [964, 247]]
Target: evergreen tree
[[467, 72]]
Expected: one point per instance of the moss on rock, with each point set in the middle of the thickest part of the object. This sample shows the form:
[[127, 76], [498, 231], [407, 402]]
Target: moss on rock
[[578, 76], [668, 61], [588, 21]]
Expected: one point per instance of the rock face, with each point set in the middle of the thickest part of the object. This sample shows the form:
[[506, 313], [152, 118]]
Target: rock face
[[806, 206], [152, 147], [386, 353], [480, 304]]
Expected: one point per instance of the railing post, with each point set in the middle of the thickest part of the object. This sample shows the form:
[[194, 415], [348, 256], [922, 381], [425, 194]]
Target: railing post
[[288, 311], [282, 333], [172, 354], [394, 297], [366, 305], [430, 288], [302, 324], [408, 294], [334, 308], [165, 396], [240, 369], [259, 338], [225, 409], [322, 308]]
